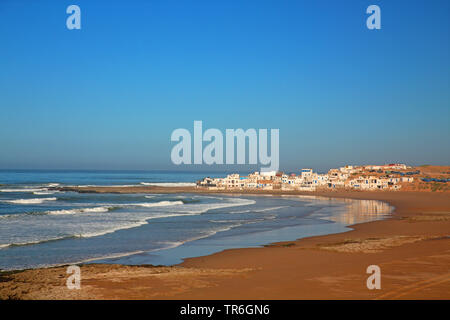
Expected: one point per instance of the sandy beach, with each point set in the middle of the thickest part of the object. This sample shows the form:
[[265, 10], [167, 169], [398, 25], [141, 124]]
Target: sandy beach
[[412, 248], [229, 151]]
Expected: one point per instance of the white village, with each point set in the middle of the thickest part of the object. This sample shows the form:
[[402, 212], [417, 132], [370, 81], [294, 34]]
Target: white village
[[369, 177]]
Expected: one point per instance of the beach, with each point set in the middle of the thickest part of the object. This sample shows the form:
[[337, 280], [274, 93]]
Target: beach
[[411, 247], [239, 152]]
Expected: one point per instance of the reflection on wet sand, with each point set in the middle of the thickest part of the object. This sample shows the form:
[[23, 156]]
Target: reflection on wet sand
[[359, 211], [353, 211]]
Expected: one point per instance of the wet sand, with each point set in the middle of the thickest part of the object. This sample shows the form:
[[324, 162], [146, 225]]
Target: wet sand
[[412, 248]]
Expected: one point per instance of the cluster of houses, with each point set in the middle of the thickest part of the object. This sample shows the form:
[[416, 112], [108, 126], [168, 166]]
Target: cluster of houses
[[384, 177]]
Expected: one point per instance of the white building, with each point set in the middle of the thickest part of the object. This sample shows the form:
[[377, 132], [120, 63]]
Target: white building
[[306, 173]]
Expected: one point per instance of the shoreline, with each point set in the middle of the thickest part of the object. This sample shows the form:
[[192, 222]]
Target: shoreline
[[346, 226], [100, 260], [318, 267]]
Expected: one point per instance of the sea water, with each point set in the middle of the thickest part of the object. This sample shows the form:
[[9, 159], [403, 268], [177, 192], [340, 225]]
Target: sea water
[[43, 227]]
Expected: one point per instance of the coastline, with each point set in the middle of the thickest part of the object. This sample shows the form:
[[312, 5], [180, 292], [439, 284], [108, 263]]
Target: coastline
[[411, 247]]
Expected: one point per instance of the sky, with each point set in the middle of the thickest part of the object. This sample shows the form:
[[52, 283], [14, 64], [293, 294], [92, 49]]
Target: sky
[[109, 96]]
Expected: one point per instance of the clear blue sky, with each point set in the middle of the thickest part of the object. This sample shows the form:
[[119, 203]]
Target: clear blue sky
[[108, 96]]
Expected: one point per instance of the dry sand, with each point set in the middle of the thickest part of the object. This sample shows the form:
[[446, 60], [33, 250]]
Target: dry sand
[[412, 248]]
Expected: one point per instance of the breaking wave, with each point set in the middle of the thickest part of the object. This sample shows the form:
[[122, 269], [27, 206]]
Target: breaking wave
[[258, 210], [73, 223], [53, 184], [29, 201], [90, 234], [24, 190], [158, 204], [40, 193], [81, 210]]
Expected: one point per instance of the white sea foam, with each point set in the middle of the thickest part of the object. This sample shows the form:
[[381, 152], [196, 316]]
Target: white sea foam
[[24, 190], [4, 216], [111, 230], [258, 210], [44, 228], [168, 244], [53, 184], [169, 184], [41, 193], [80, 210], [90, 230], [157, 204], [30, 242], [203, 208], [204, 235], [87, 234], [111, 256], [52, 265], [131, 224], [29, 201]]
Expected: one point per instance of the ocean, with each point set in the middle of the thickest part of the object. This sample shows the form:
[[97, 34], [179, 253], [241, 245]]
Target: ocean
[[41, 227]]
